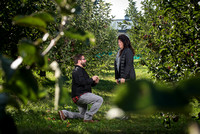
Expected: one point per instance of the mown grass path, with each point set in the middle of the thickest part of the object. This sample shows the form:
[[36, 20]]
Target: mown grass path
[[41, 118]]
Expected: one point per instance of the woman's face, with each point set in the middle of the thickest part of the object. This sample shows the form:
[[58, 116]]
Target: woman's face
[[121, 44]]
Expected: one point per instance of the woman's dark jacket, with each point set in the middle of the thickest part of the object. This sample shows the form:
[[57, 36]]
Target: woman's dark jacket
[[126, 68], [81, 82]]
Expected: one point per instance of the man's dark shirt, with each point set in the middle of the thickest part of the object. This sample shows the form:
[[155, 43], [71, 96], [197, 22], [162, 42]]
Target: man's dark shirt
[[81, 82]]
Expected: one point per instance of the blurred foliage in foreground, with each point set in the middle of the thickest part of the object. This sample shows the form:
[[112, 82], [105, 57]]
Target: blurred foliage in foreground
[[144, 96]]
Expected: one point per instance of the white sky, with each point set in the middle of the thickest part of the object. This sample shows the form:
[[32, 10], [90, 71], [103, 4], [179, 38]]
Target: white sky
[[118, 7]]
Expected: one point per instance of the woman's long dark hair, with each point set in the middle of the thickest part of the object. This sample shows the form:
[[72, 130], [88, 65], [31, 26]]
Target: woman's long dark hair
[[126, 42]]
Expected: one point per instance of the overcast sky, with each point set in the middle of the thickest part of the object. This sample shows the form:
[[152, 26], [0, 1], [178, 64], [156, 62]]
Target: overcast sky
[[118, 7]]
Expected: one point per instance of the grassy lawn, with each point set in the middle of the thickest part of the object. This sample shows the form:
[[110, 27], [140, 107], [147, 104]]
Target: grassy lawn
[[41, 118]]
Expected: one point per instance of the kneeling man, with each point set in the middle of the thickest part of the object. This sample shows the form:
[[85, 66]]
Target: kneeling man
[[82, 93]]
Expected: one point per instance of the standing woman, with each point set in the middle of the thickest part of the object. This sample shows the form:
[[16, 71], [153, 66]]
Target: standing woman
[[124, 69]]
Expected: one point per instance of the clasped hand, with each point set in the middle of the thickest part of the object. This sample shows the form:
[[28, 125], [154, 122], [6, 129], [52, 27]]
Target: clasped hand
[[122, 80], [95, 79]]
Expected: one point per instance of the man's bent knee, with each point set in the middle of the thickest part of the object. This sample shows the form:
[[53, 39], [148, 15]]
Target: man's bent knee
[[100, 100]]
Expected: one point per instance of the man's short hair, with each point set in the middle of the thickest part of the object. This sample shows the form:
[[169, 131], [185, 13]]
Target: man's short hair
[[77, 57]]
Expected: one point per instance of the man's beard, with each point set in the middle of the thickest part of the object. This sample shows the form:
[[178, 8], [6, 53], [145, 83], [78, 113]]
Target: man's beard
[[83, 64]]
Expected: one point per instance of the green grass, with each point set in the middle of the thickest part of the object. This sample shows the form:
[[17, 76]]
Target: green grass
[[41, 118]]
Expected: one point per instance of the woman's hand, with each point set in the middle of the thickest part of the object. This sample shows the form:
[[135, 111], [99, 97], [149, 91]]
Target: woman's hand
[[122, 80], [117, 81], [95, 79]]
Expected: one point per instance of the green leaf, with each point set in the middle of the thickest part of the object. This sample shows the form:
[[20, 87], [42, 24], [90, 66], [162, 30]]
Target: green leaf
[[135, 98], [64, 97], [42, 93], [3, 100], [30, 54], [44, 16], [163, 49], [190, 87], [79, 35], [66, 6], [29, 21], [12, 101], [42, 61], [5, 65], [59, 2], [145, 96], [24, 1], [24, 84]]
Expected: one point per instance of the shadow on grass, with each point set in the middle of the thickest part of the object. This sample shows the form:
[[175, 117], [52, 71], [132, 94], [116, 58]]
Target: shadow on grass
[[41, 122], [105, 85], [108, 74], [141, 67], [47, 121], [137, 125]]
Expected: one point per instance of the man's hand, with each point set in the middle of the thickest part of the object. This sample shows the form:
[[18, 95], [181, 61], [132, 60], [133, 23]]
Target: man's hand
[[95, 79]]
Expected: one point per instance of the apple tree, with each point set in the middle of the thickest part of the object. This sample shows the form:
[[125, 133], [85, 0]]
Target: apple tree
[[169, 31], [43, 30], [94, 18]]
